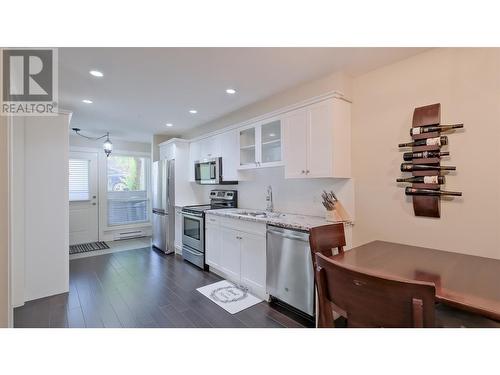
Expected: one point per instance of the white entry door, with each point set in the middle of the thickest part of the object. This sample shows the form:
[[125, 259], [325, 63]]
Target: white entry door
[[83, 198]]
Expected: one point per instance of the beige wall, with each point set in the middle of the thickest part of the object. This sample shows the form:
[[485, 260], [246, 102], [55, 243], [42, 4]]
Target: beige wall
[[467, 84], [337, 81]]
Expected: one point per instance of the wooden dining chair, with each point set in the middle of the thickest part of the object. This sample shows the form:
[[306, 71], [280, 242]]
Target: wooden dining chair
[[323, 240], [371, 300], [326, 238]]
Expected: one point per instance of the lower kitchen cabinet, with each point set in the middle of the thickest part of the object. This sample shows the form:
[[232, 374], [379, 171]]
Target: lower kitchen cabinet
[[237, 251], [253, 261], [230, 257]]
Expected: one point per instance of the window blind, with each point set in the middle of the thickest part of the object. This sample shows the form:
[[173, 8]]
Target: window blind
[[126, 207], [79, 180]]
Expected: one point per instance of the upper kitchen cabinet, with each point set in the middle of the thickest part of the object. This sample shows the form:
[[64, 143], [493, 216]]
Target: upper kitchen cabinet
[[210, 147], [167, 150], [205, 148], [270, 145], [260, 145], [317, 140], [229, 151]]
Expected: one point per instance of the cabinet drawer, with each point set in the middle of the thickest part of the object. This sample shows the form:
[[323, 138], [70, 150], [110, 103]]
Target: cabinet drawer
[[244, 226]]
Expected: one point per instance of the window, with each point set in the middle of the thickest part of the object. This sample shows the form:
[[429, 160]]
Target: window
[[128, 201], [79, 180]]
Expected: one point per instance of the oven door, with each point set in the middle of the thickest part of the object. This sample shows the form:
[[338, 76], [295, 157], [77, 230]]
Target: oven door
[[206, 172], [193, 231]]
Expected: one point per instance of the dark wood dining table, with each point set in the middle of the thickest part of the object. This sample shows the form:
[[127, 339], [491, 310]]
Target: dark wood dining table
[[467, 282]]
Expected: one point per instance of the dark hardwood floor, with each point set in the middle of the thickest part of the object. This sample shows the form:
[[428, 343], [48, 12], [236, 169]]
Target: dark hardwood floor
[[140, 288]]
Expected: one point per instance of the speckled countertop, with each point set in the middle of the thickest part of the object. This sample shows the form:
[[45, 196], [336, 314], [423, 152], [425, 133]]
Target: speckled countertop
[[283, 220]]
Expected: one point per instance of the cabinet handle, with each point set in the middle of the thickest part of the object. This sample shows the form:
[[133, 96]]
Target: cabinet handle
[[307, 171], [303, 171]]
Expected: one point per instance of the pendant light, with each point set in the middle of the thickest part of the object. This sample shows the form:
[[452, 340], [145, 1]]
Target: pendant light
[[107, 145]]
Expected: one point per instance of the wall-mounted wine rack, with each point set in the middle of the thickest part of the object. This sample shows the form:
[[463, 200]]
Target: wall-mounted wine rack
[[424, 161]]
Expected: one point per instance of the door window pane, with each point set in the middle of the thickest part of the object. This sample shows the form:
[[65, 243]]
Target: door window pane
[[79, 172]]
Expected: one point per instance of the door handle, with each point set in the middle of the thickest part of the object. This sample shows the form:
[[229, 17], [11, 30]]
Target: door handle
[[93, 204]]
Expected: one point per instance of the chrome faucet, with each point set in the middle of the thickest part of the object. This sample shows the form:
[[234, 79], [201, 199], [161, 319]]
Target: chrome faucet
[[269, 199]]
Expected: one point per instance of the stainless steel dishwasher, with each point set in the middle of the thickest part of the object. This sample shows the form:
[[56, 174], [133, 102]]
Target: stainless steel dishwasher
[[290, 277]]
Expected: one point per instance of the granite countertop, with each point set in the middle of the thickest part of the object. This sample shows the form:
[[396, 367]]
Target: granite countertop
[[283, 220]]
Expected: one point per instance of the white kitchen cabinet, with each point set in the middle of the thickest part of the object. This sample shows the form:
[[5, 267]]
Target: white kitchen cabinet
[[294, 139], [230, 257], [260, 145], [229, 151], [236, 250], [178, 230], [210, 147], [167, 151], [213, 241], [253, 262], [317, 139]]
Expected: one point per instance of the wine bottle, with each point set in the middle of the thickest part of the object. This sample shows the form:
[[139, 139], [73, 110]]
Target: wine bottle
[[409, 167], [423, 180], [430, 192], [438, 141], [434, 128], [408, 156]]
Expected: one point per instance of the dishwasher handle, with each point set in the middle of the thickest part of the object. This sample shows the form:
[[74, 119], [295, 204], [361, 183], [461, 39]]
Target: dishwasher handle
[[303, 238]]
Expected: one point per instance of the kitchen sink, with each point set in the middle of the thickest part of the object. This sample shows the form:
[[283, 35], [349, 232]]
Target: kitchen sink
[[261, 214]]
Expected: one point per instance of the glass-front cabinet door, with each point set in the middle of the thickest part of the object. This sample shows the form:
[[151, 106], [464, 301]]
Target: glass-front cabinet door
[[260, 145], [271, 142], [248, 155]]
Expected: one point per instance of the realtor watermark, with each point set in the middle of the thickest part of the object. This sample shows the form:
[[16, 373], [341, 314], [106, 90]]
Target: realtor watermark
[[29, 82]]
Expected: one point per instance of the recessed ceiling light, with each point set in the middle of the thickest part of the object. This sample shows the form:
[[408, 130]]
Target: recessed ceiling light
[[87, 101], [231, 91], [193, 111], [96, 73], [169, 125]]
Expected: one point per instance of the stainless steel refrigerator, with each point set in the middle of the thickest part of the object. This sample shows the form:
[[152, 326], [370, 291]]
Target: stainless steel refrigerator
[[163, 205]]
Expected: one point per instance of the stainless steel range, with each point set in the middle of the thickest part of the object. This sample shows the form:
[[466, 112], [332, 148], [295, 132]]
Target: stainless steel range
[[193, 225]]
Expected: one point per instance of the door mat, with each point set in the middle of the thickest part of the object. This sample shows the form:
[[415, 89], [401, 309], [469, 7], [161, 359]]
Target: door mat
[[230, 297], [86, 247]]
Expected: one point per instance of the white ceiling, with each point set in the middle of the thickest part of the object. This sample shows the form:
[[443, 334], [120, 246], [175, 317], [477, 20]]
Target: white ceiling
[[144, 88]]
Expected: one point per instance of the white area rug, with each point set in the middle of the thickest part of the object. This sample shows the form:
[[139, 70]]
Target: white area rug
[[228, 296]]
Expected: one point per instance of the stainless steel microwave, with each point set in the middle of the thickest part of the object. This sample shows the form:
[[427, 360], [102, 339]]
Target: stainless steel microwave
[[209, 172]]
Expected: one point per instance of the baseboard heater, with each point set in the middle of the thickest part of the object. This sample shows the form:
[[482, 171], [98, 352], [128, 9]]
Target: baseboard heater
[[128, 235]]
